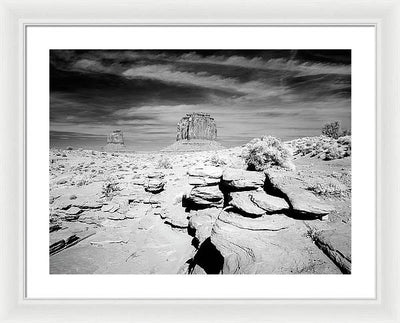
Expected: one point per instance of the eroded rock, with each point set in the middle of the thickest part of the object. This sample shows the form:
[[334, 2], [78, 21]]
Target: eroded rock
[[201, 223], [269, 203], [273, 244], [206, 196], [174, 216], [196, 126], [239, 179], [154, 185], [202, 176], [293, 189], [242, 202], [336, 243]]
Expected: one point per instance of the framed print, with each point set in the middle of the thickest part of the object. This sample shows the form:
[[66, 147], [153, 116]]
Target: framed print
[[257, 181], [235, 165]]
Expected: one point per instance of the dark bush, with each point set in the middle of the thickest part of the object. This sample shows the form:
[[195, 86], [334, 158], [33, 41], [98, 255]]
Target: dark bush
[[332, 130]]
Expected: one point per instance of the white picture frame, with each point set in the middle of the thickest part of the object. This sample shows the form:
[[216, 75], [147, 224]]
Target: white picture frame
[[15, 15]]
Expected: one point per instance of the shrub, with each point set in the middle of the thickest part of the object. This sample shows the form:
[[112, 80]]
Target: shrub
[[312, 233], [332, 129], [262, 153], [346, 132], [328, 187], [216, 160], [164, 163], [334, 152]]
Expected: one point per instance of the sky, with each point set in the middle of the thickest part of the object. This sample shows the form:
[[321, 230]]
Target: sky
[[250, 93]]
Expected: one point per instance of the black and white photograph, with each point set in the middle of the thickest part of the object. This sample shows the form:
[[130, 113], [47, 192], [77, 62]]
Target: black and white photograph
[[190, 162]]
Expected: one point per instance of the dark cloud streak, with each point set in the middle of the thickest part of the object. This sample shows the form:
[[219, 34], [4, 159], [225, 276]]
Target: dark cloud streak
[[250, 93]]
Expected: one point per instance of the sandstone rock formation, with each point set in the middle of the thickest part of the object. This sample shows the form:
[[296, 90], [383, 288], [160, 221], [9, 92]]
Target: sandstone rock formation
[[302, 202], [271, 204], [155, 183], [204, 176], [195, 132], [241, 201], [115, 141], [271, 243], [335, 242], [206, 196], [201, 223], [196, 126], [239, 179], [202, 216]]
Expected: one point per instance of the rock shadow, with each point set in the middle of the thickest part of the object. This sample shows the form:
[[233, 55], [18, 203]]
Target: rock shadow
[[208, 258]]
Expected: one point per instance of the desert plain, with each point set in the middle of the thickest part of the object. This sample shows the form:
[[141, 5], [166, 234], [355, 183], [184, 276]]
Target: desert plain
[[201, 210]]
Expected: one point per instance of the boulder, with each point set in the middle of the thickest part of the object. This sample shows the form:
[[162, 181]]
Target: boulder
[[201, 223], [154, 185], [242, 202], [239, 179], [269, 203], [174, 216], [206, 196], [306, 203], [203, 176], [293, 188]]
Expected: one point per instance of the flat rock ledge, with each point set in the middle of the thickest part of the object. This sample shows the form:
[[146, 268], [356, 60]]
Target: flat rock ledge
[[335, 243]]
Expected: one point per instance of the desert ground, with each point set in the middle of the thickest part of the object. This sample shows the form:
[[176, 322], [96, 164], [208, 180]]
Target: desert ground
[[201, 212]]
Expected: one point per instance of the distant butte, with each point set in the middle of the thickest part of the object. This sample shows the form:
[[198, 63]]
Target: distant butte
[[195, 132], [115, 141], [196, 125]]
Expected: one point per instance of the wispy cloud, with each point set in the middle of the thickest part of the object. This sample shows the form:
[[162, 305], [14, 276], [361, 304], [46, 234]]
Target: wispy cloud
[[249, 93], [303, 68], [167, 73]]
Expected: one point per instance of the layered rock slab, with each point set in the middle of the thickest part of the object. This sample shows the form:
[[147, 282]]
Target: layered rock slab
[[155, 183], [174, 216], [205, 196], [293, 189], [203, 176], [270, 204], [336, 243], [239, 179], [273, 244], [242, 202]]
